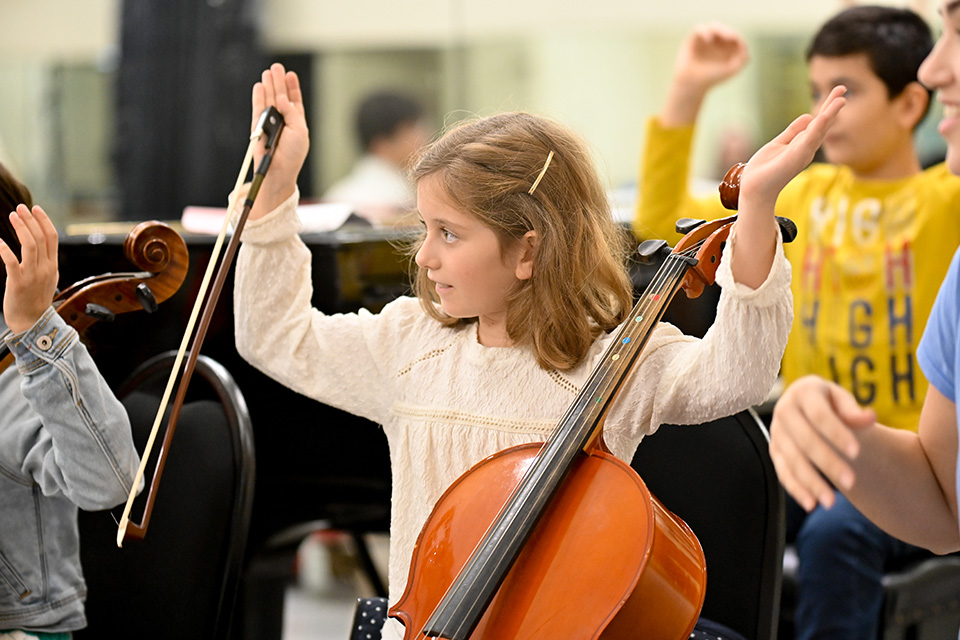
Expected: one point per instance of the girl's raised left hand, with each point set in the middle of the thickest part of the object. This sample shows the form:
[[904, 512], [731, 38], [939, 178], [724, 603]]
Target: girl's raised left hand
[[780, 160], [766, 174]]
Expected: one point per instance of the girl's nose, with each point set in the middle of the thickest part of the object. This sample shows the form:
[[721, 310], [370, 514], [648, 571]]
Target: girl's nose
[[423, 257]]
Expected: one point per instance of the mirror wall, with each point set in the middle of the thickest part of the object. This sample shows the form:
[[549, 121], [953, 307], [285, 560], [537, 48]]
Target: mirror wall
[[601, 67]]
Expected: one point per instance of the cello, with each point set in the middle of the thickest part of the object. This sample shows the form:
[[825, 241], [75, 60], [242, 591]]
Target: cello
[[538, 524], [161, 256]]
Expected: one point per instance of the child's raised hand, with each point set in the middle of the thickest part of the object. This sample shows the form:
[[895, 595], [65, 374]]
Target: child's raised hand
[[812, 439], [767, 172], [781, 159], [281, 89], [31, 282], [710, 54]]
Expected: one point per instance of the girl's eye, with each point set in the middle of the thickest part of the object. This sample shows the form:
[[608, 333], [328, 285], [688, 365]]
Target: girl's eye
[[448, 236]]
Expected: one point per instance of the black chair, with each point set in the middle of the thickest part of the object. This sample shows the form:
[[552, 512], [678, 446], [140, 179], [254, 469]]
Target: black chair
[[181, 580], [922, 600], [718, 477]]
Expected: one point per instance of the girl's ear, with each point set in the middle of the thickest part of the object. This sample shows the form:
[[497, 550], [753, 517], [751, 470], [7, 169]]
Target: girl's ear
[[528, 251]]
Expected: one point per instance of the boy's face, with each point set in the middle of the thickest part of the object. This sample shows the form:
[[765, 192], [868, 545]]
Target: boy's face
[[867, 131], [941, 71]]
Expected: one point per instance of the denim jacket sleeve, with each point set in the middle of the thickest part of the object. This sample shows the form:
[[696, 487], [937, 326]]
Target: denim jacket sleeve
[[74, 438]]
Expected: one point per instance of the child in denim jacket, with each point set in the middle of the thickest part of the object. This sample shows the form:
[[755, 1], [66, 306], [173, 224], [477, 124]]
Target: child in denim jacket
[[65, 441]]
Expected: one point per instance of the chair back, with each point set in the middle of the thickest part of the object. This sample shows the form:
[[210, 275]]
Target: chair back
[[182, 579], [719, 478]]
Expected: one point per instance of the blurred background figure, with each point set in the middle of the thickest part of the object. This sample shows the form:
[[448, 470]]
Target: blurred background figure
[[390, 130], [736, 144]]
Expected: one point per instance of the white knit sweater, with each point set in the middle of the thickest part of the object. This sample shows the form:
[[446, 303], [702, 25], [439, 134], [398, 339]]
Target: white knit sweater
[[446, 402]]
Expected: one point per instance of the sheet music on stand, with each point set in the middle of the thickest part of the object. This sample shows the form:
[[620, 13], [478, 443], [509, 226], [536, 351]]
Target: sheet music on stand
[[316, 218]]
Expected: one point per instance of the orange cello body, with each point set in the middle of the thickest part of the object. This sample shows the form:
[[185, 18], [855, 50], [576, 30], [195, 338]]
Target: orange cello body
[[606, 560]]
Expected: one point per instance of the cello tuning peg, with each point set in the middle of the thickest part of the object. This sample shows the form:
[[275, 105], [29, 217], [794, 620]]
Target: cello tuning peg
[[99, 312], [649, 250], [147, 300], [730, 187], [686, 225], [788, 229]]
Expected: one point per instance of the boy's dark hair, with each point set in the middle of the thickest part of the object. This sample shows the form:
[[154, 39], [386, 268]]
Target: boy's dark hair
[[382, 113], [12, 193], [894, 40]]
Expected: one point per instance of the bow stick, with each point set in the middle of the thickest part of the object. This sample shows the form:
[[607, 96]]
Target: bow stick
[[271, 124]]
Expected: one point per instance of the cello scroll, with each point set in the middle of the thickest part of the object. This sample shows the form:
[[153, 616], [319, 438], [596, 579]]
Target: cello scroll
[[153, 247]]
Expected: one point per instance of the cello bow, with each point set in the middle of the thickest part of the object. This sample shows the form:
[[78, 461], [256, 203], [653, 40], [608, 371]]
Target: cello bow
[[268, 128]]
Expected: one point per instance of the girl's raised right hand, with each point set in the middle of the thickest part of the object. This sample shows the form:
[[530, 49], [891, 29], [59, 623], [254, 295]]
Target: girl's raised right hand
[[281, 89]]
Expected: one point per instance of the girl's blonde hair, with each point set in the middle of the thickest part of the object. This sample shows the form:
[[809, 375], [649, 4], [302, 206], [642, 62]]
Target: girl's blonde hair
[[579, 285]]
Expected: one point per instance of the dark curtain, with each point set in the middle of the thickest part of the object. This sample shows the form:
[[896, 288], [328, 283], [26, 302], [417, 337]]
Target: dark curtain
[[183, 94]]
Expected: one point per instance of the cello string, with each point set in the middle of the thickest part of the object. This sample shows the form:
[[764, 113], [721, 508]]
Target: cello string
[[662, 282], [486, 569], [653, 297], [195, 312]]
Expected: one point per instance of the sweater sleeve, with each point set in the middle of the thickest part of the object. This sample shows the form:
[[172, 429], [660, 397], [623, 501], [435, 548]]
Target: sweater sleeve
[[336, 359], [731, 368], [664, 193]]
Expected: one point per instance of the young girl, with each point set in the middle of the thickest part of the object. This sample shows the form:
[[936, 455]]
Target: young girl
[[519, 283], [65, 440]]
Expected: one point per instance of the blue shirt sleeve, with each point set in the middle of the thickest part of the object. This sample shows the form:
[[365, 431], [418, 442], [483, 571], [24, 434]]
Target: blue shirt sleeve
[[937, 353]]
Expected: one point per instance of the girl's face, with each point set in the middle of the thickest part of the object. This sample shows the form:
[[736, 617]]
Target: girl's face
[[941, 71], [463, 258]]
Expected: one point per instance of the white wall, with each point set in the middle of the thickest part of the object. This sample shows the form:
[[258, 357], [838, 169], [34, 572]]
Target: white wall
[[73, 30]]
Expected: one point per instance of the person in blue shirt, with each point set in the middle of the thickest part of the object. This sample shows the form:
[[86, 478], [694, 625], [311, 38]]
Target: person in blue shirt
[[903, 481], [65, 440]]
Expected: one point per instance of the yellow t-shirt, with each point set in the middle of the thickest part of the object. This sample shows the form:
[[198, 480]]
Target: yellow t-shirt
[[867, 264]]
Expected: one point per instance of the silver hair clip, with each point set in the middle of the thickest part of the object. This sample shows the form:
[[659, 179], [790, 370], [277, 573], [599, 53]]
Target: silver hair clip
[[542, 173]]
